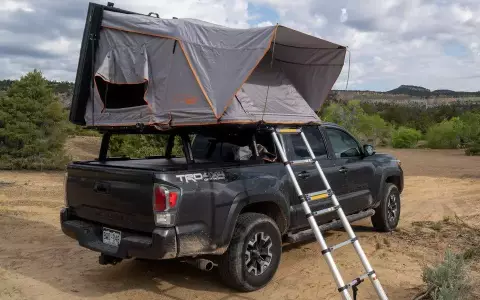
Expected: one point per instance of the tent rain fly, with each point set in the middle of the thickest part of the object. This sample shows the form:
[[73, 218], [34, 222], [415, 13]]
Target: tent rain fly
[[183, 72]]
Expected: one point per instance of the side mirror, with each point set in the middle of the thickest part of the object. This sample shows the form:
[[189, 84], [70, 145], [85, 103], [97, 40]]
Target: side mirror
[[369, 150]]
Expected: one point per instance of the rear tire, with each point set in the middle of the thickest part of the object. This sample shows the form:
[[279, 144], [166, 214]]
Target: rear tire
[[254, 253], [387, 214]]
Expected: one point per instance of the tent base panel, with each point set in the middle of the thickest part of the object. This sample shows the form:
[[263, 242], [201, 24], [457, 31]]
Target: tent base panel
[[158, 128]]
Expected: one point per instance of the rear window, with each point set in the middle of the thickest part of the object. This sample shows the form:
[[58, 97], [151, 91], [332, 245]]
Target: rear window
[[142, 146], [212, 149], [232, 147]]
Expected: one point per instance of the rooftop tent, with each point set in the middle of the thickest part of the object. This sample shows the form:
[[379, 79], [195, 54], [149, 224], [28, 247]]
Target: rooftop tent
[[179, 72]]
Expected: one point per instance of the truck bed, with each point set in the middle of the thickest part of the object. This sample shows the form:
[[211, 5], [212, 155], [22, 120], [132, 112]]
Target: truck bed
[[163, 164], [119, 192]]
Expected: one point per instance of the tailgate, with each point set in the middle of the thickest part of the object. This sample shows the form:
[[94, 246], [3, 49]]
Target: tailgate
[[117, 197]]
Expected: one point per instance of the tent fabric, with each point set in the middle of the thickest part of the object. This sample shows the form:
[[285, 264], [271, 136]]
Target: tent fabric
[[269, 96], [180, 72]]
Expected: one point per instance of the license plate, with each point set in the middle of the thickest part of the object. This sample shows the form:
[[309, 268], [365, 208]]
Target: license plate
[[111, 237]]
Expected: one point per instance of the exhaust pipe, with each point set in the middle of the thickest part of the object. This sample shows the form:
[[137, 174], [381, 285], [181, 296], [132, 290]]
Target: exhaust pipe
[[201, 263], [105, 259]]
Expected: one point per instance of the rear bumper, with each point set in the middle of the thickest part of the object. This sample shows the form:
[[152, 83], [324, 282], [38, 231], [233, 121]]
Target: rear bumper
[[161, 244]]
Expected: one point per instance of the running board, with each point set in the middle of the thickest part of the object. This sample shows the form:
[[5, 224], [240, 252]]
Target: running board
[[308, 234]]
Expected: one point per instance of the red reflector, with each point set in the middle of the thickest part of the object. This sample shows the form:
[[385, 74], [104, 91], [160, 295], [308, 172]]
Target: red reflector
[[161, 195], [172, 201], [160, 199]]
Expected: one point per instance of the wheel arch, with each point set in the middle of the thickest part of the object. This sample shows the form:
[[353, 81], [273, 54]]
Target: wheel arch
[[271, 205], [393, 176]]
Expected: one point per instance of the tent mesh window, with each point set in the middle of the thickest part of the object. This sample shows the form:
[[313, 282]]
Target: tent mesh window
[[116, 96]]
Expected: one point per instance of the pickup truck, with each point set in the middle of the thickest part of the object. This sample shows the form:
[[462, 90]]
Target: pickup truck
[[214, 207]]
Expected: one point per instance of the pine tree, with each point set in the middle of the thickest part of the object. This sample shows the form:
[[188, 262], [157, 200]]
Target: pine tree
[[32, 125]]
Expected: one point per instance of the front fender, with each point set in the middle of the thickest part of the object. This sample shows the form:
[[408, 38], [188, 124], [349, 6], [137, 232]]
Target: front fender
[[388, 172]]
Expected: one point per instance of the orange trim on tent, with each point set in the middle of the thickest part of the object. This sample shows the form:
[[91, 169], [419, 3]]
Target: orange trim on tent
[[184, 53], [274, 34], [197, 79], [142, 33], [210, 123]]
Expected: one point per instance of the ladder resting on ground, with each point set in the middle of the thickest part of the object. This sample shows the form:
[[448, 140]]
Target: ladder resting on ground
[[343, 287]]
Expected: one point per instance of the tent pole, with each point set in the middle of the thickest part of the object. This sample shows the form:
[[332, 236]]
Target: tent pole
[[92, 92], [348, 73]]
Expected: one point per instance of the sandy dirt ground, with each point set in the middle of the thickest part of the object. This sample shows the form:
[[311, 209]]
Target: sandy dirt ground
[[38, 262]]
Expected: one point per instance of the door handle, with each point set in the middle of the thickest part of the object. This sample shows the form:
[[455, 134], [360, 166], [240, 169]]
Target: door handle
[[343, 170], [101, 187], [303, 175]]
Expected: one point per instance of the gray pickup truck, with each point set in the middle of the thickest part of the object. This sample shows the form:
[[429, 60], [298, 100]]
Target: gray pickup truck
[[222, 205]]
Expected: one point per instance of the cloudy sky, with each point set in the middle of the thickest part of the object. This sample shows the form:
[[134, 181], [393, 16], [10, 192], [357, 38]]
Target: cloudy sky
[[432, 43]]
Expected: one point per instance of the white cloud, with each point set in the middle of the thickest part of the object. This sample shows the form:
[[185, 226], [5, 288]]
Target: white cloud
[[12, 6], [344, 15], [264, 24], [60, 46], [226, 12]]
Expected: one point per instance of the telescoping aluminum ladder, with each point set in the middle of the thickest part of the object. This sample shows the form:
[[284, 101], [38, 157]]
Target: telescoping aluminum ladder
[[326, 250]]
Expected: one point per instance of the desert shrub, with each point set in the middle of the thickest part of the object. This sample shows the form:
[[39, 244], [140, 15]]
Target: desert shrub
[[445, 135], [373, 129], [351, 116], [347, 116], [470, 128], [32, 126], [405, 137], [448, 280], [473, 149], [142, 145]]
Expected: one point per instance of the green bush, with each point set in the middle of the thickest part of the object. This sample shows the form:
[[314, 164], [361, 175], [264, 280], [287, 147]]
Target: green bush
[[33, 127], [445, 135], [470, 128], [347, 116], [80, 131], [142, 145], [448, 280], [367, 128], [374, 130], [405, 137], [473, 150]]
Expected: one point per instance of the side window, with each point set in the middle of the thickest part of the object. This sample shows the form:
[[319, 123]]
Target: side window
[[298, 149], [343, 144]]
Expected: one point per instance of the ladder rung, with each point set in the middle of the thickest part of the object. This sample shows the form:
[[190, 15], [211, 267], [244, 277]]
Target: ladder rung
[[318, 195], [325, 211], [300, 162], [330, 249], [288, 130], [356, 281], [350, 241]]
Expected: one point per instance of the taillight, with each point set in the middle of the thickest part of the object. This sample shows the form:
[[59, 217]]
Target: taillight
[[172, 199], [164, 202], [164, 198], [160, 203]]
